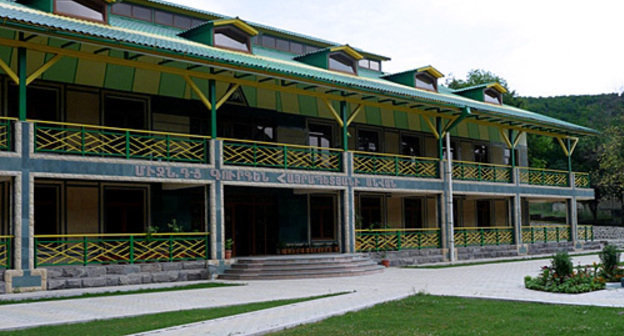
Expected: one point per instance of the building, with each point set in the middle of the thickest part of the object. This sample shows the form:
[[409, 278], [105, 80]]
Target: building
[[140, 130]]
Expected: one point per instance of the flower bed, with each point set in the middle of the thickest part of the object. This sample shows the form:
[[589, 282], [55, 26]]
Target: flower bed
[[562, 277]]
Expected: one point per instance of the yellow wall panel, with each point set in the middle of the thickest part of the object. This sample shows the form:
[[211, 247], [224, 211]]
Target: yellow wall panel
[[90, 73], [387, 118], [266, 99], [395, 216], [146, 81], [82, 210], [290, 103]]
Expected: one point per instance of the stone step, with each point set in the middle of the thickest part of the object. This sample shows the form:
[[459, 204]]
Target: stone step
[[302, 275], [298, 266], [301, 259], [2, 287], [303, 269]]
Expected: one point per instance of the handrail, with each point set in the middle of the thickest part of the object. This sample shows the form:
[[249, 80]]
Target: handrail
[[112, 235], [396, 155], [481, 163], [546, 226], [545, 170], [109, 128], [5, 237], [397, 230], [280, 144], [481, 227], [8, 118]]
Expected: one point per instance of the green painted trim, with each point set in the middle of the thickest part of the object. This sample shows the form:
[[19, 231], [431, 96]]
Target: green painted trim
[[22, 68]]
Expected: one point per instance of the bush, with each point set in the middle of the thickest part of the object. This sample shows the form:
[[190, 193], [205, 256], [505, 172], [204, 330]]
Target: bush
[[562, 264], [610, 259]]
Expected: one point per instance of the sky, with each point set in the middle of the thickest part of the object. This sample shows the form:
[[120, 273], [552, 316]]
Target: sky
[[542, 48]]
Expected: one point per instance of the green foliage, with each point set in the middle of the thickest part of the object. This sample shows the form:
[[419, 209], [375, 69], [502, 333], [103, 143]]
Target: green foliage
[[562, 264], [584, 279], [174, 227], [229, 243], [610, 175], [610, 259], [480, 76]]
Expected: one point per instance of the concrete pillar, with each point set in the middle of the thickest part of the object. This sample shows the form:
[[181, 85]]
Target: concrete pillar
[[348, 207], [572, 215], [217, 219]]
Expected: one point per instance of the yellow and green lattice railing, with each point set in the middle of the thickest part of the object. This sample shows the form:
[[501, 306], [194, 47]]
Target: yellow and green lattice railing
[[581, 180], [274, 155], [395, 165], [100, 141], [544, 177], [483, 236], [6, 136], [87, 249], [545, 234], [396, 239], [5, 251], [482, 172], [585, 232]]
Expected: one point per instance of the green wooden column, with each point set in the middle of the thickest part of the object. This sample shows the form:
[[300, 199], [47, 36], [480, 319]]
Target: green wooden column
[[345, 131], [21, 69], [212, 91], [440, 138], [513, 150], [569, 156]]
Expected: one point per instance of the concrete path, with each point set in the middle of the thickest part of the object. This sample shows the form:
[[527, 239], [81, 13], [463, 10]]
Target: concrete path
[[501, 281]]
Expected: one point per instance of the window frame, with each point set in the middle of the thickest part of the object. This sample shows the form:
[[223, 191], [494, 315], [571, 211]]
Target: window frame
[[354, 62], [92, 4], [231, 29], [498, 96], [429, 76]]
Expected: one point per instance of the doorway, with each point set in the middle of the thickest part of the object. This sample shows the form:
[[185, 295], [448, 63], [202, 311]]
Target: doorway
[[251, 221], [124, 210], [323, 218]]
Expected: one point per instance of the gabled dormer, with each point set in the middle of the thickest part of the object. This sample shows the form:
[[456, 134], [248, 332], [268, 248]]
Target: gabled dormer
[[342, 58], [425, 78], [233, 34], [92, 10], [490, 93]]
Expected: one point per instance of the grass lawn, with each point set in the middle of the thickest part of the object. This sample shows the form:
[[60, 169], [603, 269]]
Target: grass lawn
[[114, 293], [436, 315], [131, 325]]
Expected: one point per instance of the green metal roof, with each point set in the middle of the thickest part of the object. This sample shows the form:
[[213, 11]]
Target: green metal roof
[[145, 36]]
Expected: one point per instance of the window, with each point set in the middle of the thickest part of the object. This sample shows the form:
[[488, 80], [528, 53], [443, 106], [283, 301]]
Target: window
[[231, 39], [507, 156], [124, 210], [125, 112], [43, 102], [492, 96], [410, 145], [369, 64], [453, 151], [322, 217], [282, 45], [342, 62], [142, 13], [368, 141], [83, 9], [481, 153], [427, 82], [320, 136], [163, 18], [156, 16], [371, 211], [483, 213], [412, 211], [296, 48]]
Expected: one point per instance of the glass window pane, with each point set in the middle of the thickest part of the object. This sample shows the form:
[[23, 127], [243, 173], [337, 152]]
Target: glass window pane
[[142, 13], [481, 153], [425, 82], [122, 9], [196, 23], [368, 141], [75, 8], [163, 18], [410, 145], [223, 39], [413, 213], [183, 22], [282, 45], [375, 65], [492, 97], [309, 49], [363, 63], [268, 41], [296, 48], [320, 136], [341, 63]]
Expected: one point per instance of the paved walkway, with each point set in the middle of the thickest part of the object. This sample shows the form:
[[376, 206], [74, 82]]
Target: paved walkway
[[501, 281]]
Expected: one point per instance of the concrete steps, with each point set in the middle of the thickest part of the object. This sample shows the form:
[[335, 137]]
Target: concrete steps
[[300, 267]]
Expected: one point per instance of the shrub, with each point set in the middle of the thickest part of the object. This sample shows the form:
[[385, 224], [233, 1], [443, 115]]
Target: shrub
[[610, 259], [562, 264]]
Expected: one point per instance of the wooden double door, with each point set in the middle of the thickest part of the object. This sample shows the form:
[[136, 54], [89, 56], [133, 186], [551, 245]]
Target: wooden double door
[[252, 222]]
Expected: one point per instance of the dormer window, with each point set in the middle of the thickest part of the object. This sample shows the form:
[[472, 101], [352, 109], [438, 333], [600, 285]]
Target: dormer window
[[426, 81], [92, 10], [492, 96], [230, 38], [341, 62]]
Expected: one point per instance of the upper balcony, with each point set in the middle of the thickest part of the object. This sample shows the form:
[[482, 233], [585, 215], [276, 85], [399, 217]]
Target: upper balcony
[[93, 141]]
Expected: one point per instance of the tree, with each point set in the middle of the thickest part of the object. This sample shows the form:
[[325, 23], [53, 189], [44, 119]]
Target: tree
[[610, 174], [480, 76]]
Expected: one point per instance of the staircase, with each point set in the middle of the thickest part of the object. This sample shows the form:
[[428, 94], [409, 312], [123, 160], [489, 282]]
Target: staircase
[[300, 267]]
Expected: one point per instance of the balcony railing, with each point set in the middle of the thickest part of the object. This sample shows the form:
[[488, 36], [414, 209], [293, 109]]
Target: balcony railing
[[275, 155], [482, 236], [5, 251], [581, 180], [585, 232], [396, 239], [100, 141], [544, 177], [482, 172], [6, 134], [395, 165], [51, 250], [545, 234]]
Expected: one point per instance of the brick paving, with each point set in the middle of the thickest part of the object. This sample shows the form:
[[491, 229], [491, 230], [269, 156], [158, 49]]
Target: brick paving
[[500, 281]]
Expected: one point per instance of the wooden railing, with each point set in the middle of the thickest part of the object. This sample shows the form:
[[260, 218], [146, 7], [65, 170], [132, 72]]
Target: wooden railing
[[395, 165], [396, 239], [5, 251], [6, 134], [482, 236], [546, 233], [544, 177], [481, 172]]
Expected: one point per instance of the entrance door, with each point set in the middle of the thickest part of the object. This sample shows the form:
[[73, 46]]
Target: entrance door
[[323, 217], [47, 208], [483, 213], [251, 222]]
